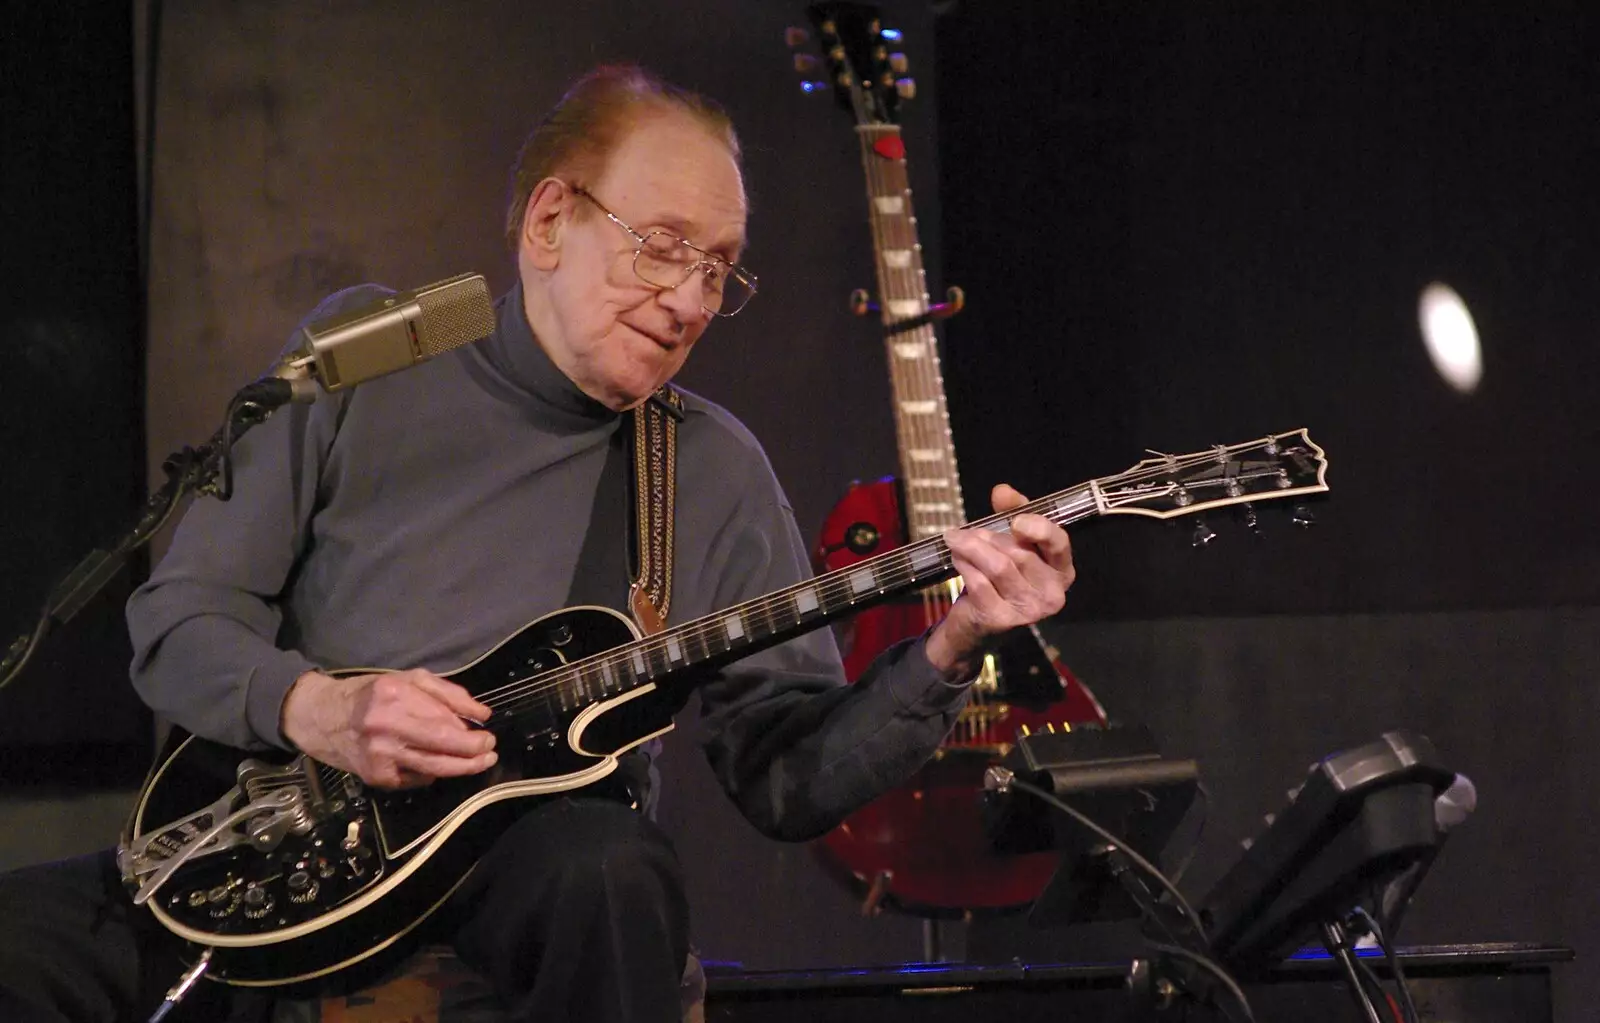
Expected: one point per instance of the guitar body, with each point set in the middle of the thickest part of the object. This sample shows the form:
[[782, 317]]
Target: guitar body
[[348, 871]]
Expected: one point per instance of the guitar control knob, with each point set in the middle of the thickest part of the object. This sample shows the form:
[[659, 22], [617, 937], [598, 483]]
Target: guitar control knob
[[898, 63], [907, 88], [302, 888], [223, 900], [258, 902]]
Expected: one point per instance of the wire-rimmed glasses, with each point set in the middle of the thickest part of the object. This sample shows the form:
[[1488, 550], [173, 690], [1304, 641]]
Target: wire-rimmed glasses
[[664, 260]]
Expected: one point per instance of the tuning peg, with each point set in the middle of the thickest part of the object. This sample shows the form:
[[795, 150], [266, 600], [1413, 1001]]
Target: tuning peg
[[898, 63], [1251, 521], [1203, 534], [795, 37], [1303, 516], [907, 88], [805, 63]]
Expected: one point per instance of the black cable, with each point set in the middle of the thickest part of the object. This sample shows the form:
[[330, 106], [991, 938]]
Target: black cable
[[1118, 844], [1407, 1003], [1199, 833], [23, 649], [1209, 965]]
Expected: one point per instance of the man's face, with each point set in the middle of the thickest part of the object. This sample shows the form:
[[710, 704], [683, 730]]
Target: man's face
[[617, 337]]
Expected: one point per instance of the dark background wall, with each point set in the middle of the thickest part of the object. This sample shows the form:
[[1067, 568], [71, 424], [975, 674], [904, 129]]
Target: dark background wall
[[1176, 225], [71, 389]]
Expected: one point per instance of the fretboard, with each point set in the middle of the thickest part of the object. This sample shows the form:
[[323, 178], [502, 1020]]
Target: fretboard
[[928, 474]]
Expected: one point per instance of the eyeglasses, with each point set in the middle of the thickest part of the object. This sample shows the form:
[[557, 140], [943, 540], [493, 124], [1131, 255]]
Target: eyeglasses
[[667, 261]]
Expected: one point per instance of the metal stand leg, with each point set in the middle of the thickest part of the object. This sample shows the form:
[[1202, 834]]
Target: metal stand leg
[[1334, 937]]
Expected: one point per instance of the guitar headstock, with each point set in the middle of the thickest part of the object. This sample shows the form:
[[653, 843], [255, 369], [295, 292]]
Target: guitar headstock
[[865, 68], [1285, 465]]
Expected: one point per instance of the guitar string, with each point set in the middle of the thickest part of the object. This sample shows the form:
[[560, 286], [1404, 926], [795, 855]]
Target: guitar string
[[1069, 506]]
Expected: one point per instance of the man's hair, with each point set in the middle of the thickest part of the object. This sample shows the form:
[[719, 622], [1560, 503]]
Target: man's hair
[[578, 136]]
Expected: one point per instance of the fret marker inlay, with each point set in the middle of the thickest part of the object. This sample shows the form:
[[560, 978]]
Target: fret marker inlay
[[806, 601], [919, 408], [905, 308], [733, 627], [910, 349], [924, 559], [863, 580], [924, 454], [674, 650], [890, 205], [897, 259]]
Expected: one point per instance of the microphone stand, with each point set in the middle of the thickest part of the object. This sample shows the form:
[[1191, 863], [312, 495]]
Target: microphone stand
[[193, 470]]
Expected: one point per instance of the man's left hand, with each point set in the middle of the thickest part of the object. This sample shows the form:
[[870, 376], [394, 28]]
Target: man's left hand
[[1011, 579]]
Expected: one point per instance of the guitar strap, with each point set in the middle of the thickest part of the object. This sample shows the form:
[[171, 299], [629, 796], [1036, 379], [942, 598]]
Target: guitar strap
[[655, 464], [629, 538]]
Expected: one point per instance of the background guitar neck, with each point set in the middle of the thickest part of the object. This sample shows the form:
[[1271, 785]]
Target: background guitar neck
[[933, 501]]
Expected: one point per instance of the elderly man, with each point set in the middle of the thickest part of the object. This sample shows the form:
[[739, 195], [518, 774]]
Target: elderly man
[[418, 519]]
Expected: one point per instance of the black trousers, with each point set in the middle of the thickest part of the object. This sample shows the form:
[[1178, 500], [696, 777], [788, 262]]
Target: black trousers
[[576, 913]]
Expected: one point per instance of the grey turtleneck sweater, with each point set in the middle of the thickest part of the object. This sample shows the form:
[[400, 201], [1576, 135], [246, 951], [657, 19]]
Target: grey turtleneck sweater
[[419, 519]]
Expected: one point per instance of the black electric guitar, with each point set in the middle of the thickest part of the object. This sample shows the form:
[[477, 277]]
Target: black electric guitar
[[288, 871]]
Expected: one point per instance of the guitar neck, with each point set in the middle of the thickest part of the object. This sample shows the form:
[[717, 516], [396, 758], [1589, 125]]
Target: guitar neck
[[744, 629], [933, 501]]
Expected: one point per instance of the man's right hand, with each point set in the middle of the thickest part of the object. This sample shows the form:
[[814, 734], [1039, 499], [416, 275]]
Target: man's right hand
[[392, 730]]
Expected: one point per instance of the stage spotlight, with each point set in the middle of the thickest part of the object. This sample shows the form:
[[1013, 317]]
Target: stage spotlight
[[1450, 336]]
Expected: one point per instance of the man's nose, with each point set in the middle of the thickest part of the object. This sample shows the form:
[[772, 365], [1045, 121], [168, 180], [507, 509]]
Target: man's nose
[[688, 300]]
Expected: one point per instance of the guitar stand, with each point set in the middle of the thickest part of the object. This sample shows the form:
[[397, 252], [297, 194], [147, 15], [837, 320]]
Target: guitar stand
[[1340, 947]]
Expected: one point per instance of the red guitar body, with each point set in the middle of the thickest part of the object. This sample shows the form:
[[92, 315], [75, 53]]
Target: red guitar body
[[922, 846]]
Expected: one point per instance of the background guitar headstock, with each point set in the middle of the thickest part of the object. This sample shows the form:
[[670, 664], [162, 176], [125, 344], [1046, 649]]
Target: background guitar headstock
[[864, 66]]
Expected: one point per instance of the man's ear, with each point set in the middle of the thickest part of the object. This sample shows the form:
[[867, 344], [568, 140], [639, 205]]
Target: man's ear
[[542, 223]]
